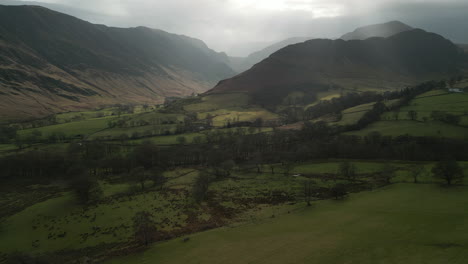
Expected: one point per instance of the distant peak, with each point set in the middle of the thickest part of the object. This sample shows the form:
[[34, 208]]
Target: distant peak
[[383, 30]]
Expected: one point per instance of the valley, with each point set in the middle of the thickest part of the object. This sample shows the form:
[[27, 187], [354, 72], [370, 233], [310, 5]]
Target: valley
[[135, 145]]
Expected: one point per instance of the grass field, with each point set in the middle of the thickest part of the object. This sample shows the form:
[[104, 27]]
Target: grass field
[[7, 147], [325, 96], [219, 101], [68, 117], [171, 139], [231, 115], [60, 223], [403, 223], [414, 128], [352, 115], [438, 100], [189, 137], [72, 129], [116, 132]]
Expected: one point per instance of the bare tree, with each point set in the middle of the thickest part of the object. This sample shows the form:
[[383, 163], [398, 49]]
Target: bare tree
[[416, 171], [448, 170], [140, 176], [413, 115], [347, 170], [308, 191], [144, 228], [200, 188], [338, 191], [387, 173]]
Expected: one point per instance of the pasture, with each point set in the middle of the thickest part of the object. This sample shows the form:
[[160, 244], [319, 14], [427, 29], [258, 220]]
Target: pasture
[[438, 100], [413, 128], [352, 115], [61, 223], [219, 101], [72, 129], [401, 223]]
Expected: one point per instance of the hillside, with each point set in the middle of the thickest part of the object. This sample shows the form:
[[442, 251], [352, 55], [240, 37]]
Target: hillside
[[464, 47], [384, 30], [243, 64], [402, 224], [319, 65], [51, 62]]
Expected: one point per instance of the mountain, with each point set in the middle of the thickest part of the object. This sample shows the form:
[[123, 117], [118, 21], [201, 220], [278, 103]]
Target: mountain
[[384, 30], [51, 62], [464, 47], [321, 64], [241, 64]]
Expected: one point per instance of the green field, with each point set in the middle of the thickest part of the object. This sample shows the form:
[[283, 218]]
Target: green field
[[245, 201], [189, 137], [402, 223], [352, 115], [219, 101], [232, 115], [82, 115], [171, 139], [438, 100], [71, 129], [414, 128]]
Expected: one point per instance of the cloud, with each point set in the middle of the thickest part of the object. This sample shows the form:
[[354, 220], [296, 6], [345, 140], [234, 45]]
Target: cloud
[[226, 25]]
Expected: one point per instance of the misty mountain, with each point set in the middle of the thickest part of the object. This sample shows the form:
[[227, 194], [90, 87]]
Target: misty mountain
[[53, 62], [242, 64], [379, 30], [464, 47], [320, 64]]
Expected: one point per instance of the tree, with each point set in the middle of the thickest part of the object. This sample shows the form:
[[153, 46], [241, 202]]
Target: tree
[[86, 188], [308, 191], [272, 167], [416, 171], [19, 142], [387, 173], [288, 166], [413, 115], [146, 155], [257, 160], [227, 166], [197, 140], [448, 170], [338, 191], [452, 82], [181, 140], [144, 228], [347, 170], [201, 186], [396, 114], [156, 174], [140, 176], [209, 120]]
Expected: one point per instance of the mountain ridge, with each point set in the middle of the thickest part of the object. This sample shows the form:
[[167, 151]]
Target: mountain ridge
[[241, 64], [383, 30], [397, 61], [52, 62]]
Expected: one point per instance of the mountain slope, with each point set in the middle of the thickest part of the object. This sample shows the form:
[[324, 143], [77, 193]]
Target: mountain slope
[[384, 30], [320, 64], [464, 47], [243, 64], [53, 62]]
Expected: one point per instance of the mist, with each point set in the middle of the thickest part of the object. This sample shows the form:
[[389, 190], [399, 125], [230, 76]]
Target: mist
[[239, 27]]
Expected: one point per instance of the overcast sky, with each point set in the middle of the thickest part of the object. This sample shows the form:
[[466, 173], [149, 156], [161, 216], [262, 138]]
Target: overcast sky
[[239, 27]]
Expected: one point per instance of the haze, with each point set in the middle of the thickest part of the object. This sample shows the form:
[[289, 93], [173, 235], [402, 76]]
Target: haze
[[239, 27]]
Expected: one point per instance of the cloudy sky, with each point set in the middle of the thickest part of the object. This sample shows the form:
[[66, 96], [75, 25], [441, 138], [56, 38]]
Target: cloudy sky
[[239, 27]]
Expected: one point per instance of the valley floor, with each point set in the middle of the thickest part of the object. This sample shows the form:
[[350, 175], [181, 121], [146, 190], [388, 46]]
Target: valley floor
[[401, 223]]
